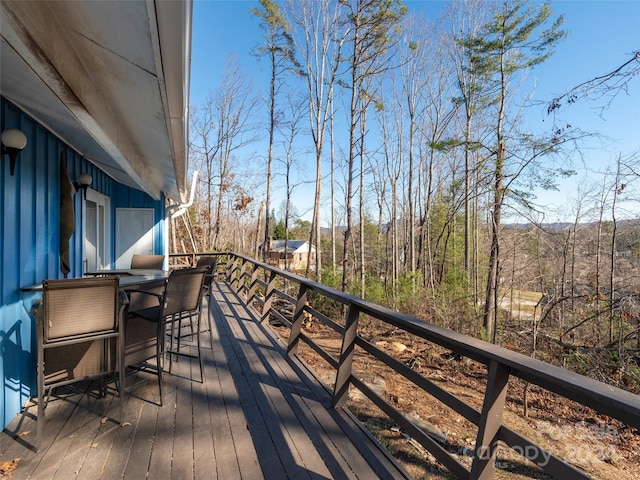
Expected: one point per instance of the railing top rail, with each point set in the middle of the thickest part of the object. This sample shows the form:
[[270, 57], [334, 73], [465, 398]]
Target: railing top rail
[[607, 399], [327, 291]]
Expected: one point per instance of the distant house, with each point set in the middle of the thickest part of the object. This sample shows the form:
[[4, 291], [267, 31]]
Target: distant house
[[295, 256], [624, 252]]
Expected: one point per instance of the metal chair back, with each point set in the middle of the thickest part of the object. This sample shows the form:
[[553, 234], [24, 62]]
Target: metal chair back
[[180, 299], [150, 262], [183, 291], [79, 335], [78, 307], [212, 263]]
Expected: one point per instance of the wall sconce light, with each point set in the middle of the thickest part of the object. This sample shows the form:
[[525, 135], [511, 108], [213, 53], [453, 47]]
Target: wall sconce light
[[84, 180], [13, 140]]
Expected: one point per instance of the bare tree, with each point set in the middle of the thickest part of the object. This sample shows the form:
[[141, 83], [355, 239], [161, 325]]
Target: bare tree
[[464, 19], [371, 25], [279, 48], [223, 127], [319, 42], [290, 130], [201, 128], [389, 121]]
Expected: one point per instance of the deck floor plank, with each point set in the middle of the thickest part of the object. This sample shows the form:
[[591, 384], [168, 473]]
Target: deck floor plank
[[249, 431], [81, 411], [160, 461], [99, 415], [311, 403], [95, 461], [142, 444], [204, 461], [257, 414], [302, 454], [309, 407], [182, 455], [120, 449], [223, 402]]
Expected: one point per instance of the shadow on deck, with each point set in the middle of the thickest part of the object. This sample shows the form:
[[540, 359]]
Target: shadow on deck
[[258, 414]]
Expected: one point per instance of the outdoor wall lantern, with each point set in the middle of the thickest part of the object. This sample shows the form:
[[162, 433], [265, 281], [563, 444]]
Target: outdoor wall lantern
[[83, 182], [13, 140]]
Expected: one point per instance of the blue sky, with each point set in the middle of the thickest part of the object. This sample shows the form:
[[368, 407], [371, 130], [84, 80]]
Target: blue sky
[[602, 35]]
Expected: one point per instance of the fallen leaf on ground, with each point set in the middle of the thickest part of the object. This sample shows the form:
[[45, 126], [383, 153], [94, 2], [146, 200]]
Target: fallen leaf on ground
[[7, 467]]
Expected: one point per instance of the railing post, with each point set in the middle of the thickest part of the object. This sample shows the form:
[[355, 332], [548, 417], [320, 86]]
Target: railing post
[[296, 324], [253, 284], [243, 271], [232, 268], [341, 388], [490, 421], [268, 296]]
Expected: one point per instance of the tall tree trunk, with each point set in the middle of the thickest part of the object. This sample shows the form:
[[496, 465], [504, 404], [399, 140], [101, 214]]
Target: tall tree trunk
[[272, 126], [467, 198], [599, 241], [412, 213], [333, 186], [346, 261], [258, 228], [315, 223], [491, 305], [363, 120], [617, 189]]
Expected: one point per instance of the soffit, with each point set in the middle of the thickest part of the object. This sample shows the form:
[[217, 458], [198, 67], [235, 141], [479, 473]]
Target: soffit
[[108, 77]]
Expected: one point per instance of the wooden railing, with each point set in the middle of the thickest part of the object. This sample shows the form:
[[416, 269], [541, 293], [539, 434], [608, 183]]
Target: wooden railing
[[259, 285]]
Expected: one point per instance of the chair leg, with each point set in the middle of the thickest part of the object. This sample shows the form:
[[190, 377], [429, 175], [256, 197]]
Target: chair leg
[[178, 337], [209, 318], [41, 399], [160, 354], [173, 337], [198, 343], [41, 420], [121, 374]]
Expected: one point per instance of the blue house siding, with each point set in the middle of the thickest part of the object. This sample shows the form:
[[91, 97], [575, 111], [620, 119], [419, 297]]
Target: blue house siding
[[29, 241]]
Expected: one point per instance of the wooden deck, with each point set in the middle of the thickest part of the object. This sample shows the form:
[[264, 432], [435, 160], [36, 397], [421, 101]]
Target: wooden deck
[[258, 414]]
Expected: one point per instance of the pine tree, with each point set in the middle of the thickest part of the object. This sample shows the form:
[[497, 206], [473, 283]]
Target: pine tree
[[513, 40], [280, 51]]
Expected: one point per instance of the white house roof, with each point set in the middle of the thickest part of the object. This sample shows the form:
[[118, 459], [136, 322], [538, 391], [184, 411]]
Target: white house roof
[[110, 78]]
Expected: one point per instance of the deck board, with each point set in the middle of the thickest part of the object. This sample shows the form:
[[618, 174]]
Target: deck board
[[142, 443], [258, 414], [280, 405]]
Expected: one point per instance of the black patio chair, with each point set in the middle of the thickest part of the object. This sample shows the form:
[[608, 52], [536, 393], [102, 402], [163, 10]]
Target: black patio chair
[[181, 299], [212, 263]]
